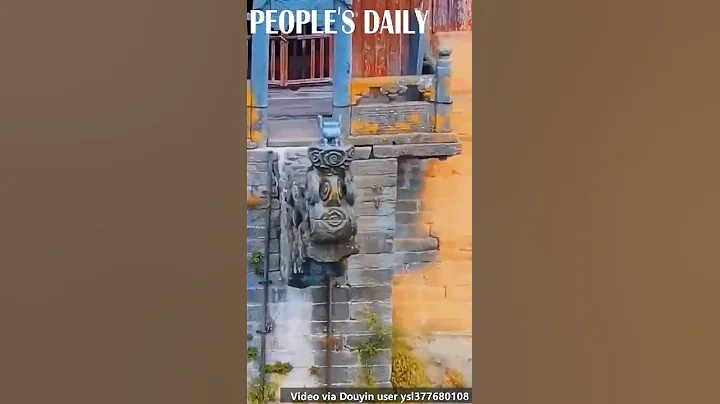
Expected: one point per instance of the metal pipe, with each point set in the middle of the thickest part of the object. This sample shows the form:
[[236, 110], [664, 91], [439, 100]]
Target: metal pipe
[[329, 335], [266, 327]]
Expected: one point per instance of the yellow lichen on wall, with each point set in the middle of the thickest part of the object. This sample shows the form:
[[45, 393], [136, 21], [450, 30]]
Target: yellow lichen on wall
[[439, 298]]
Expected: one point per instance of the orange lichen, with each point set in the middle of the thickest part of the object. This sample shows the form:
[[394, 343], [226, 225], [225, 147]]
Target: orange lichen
[[253, 201]]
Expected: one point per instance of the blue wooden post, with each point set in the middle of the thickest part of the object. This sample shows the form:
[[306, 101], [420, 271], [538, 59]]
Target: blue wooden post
[[417, 48], [259, 77], [443, 98], [342, 69]]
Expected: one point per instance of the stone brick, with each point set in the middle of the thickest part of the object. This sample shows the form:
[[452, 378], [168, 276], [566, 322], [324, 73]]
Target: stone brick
[[255, 313], [258, 232], [403, 138], [338, 312], [376, 224], [371, 261], [375, 180], [459, 293], [354, 341], [383, 310], [352, 375], [364, 277], [416, 244], [404, 258], [412, 230], [406, 194], [378, 207], [275, 295], [407, 206], [260, 155], [256, 245], [370, 195], [374, 243], [370, 293], [342, 358], [322, 342], [372, 167], [448, 276], [417, 150], [339, 295], [258, 218], [411, 218], [350, 327]]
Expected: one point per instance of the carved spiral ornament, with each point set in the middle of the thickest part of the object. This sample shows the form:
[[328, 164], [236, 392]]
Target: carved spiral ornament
[[333, 157]]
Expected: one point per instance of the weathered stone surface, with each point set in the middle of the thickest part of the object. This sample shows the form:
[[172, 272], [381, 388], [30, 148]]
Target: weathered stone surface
[[412, 230], [370, 293], [352, 375], [382, 309], [276, 295], [260, 155], [412, 257], [371, 261], [417, 150], [367, 277], [374, 181], [375, 207], [374, 242], [258, 245], [403, 138], [375, 167], [342, 358], [407, 206], [407, 218], [376, 224], [416, 244], [339, 295], [338, 312], [349, 327]]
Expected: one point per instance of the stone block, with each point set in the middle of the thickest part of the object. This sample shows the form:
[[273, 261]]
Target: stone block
[[404, 138], [341, 358], [412, 230], [258, 245], [319, 294], [417, 150], [375, 167], [350, 327], [371, 261], [383, 311], [338, 312], [415, 244], [365, 277], [374, 181], [376, 224], [353, 375], [376, 207], [404, 258], [370, 293], [411, 206], [374, 242]]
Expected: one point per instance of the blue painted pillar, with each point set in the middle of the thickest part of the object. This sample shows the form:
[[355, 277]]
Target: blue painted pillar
[[443, 91], [259, 77], [342, 69]]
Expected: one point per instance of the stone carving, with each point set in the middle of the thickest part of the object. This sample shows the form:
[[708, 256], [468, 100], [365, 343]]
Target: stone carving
[[321, 216]]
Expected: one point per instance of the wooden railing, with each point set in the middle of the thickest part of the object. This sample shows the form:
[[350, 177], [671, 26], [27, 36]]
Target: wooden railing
[[300, 59]]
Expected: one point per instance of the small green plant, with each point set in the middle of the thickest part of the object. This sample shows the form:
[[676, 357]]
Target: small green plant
[[314, 371], [252, 353], [408, 370], [279, 368], [256, 259], [262, 394], [369, 349]]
